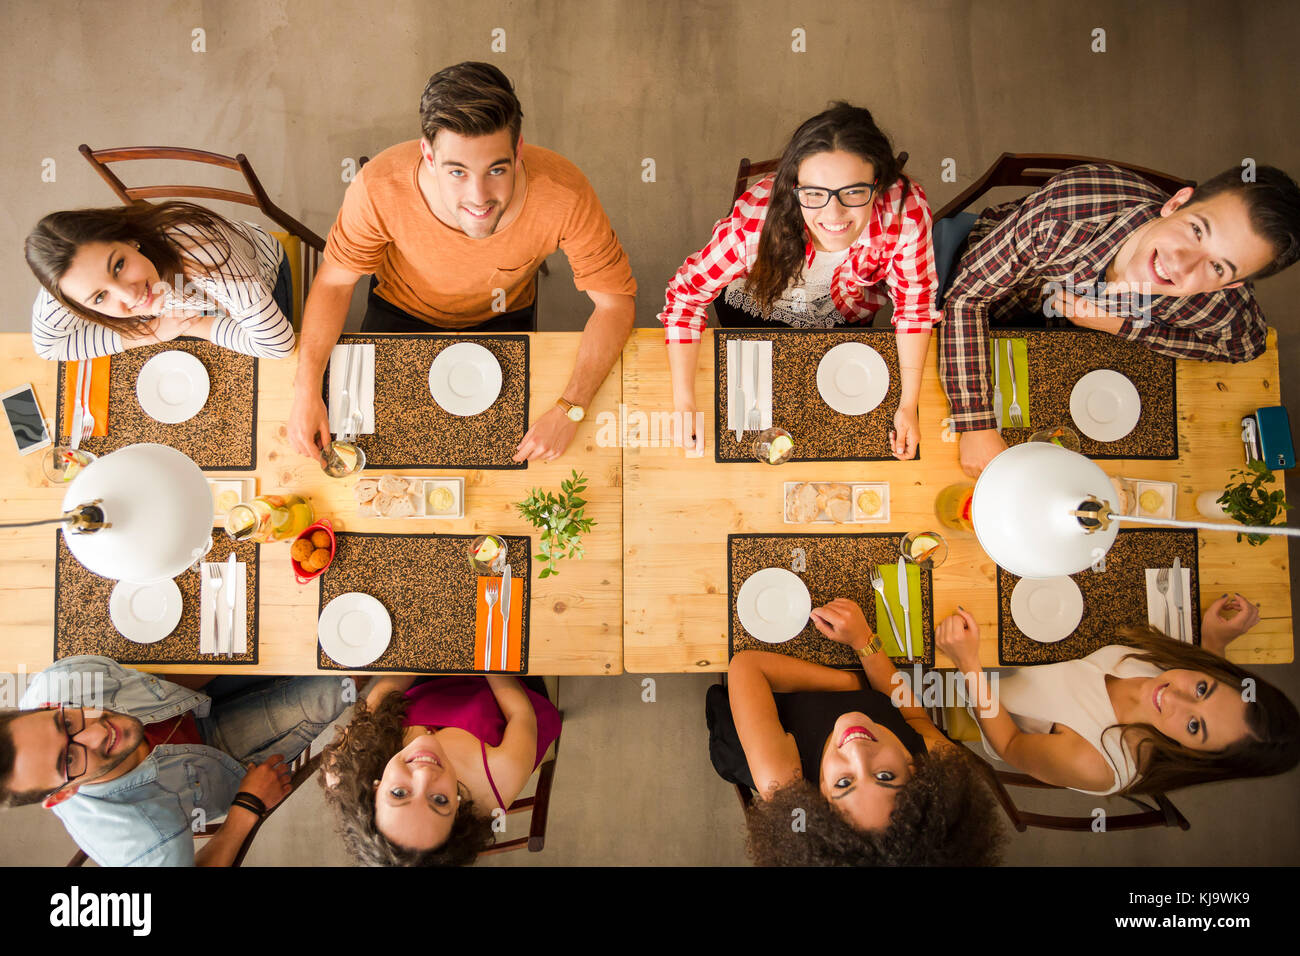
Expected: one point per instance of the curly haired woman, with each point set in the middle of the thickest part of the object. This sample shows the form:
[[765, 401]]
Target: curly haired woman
[[416, 774], [877, 782]]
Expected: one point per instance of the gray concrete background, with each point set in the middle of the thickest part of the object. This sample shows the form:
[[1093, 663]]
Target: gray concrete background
[[300, 87]]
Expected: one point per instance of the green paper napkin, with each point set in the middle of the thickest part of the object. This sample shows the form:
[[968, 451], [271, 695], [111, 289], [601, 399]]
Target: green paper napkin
[[890, 573], [1020, 350]]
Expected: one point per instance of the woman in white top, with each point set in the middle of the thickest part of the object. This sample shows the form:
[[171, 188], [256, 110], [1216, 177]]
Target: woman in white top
[[134, 275], [1144, 715]]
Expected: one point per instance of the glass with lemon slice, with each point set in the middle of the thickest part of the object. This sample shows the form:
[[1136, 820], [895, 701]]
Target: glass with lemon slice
[[774, 446], [487, 554], [925, 549]]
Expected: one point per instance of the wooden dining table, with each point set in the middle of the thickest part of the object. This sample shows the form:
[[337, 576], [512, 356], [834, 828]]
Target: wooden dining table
[[576, 615], [678, 511]]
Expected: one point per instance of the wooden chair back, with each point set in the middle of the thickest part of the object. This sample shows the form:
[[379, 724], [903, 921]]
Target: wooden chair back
[[311, 245], [1035, 169], [540, 804], [748, 171]]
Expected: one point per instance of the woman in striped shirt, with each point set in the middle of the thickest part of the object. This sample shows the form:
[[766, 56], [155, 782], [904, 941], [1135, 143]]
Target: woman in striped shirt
[[135, 275]]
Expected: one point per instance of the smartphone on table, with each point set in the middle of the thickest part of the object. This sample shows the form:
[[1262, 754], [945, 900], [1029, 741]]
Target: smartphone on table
[[26, 423]]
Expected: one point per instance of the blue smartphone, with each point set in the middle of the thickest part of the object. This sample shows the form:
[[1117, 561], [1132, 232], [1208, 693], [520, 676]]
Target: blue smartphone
[[1275, 446]]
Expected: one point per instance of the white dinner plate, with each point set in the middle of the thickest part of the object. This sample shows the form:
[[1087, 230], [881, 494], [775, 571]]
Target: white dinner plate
[[354, 629], [773, 605], [852, 378], [172, 387], [1047, 609], [1105, 405], [465, 379], [145, 613]]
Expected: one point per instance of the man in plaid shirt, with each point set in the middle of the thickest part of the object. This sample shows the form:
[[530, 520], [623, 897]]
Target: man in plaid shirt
[[1106, 249]]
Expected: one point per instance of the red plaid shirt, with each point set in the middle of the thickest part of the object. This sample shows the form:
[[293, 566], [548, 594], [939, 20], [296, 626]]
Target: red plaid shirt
[[894, 248], [1068, 232]]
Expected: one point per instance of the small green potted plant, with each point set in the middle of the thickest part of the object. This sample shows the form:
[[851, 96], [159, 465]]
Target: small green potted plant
[[560, 519], [1247, 499]]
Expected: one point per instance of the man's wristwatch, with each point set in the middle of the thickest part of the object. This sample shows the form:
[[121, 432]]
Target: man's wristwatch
[[575, 413], [873, 647]]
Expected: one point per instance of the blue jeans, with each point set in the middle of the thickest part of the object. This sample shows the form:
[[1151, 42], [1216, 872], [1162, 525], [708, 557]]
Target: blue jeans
[[283, 293], [279, 715]]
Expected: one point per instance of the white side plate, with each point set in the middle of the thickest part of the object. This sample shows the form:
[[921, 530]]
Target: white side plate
[[1047, 609], [852, 378], [145, 613], [354, 629], [465, 379], [172, 387], [773, 605], [1105, 405]]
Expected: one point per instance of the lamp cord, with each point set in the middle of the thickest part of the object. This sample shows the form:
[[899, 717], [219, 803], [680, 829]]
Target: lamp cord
[[1212, 525], [32, 524]]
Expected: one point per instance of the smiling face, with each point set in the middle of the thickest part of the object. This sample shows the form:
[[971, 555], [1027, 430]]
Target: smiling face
[[1193, 709], [835, 226], [863, 767], [112, 278], [41, 750], [1194, 248], [474, 178], [416, 800]]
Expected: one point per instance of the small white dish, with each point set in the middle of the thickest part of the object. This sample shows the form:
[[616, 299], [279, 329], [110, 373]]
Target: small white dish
[[852, 378], [145, 613], [172, 387], [1105, 405], [1047, 610], [465, 379], [354, 629], [244, 489], [454, 485], [773, 605]]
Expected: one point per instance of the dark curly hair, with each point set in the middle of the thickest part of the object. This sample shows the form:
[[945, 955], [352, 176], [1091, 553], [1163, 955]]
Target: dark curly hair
[[357, 757], [944, 816]]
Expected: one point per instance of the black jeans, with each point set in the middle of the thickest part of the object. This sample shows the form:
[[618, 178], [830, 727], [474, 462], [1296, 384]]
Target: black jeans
[[383, 316]]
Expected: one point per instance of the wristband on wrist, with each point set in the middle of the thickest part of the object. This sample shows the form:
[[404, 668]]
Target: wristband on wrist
[[249, 802], [873, 647]]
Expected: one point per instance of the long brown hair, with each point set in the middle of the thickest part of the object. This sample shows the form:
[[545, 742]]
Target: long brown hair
[[1272, 745], [782, 243], [53, 244], [354, 759]]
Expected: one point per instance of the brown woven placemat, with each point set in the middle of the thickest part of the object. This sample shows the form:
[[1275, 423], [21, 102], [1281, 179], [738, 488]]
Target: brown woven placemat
[[835, 565], [426, 583], [1113, 598], [82, 624], [820, 433], [411, 431], [1058, 358], [221, 437]]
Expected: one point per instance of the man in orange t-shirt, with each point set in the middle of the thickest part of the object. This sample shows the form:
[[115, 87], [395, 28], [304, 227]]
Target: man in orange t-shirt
[[454, 227]]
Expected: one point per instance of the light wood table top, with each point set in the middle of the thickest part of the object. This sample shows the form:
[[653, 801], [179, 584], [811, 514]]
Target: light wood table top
[[677, 512], [576, 614]]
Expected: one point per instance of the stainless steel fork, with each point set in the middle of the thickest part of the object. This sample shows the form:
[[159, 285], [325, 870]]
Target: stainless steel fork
[[1162, 585], [87, 418], [878, 582], [490, 595], [1013, 413]]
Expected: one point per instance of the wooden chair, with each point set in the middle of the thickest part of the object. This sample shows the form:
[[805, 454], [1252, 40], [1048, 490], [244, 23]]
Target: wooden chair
[[1035, 169], [540, 804], [748, 171], [304, 768], [303, 246]]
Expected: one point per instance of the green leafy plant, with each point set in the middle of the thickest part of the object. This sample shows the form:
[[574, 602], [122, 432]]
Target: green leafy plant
[[560, 519], [1247, 499]]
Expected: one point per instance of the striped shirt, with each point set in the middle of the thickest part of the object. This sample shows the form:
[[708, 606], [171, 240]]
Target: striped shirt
[[894, 249], [241, 290], [1066, 234]]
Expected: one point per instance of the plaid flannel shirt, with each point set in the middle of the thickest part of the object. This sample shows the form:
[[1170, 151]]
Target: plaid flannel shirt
[[894, 249], [1067, 233]]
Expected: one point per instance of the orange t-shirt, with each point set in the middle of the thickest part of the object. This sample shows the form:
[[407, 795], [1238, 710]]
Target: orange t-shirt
[[438, 273]]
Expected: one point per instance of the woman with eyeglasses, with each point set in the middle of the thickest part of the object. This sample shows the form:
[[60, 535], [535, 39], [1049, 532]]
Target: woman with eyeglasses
[[1143, 715], [821, 243]]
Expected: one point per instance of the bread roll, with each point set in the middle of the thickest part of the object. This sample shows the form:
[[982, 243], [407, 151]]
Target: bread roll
[[801, 503], [300, 550], [366, 490], [391, 485], [401, 507]]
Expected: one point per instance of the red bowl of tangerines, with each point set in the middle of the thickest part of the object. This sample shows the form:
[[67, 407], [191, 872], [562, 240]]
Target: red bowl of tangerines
[[312, 551]]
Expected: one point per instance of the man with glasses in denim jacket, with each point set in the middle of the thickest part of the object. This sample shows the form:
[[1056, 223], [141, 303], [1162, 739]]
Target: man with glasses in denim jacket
[[152, 762]]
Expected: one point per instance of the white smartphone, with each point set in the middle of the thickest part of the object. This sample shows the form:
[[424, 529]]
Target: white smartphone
[[26, 422]]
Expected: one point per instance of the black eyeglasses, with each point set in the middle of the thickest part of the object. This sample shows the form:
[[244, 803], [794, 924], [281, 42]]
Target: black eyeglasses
[[72, 721], [815, 197]]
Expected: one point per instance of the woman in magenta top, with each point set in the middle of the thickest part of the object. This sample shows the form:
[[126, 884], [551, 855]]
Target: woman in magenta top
[[417, 774]]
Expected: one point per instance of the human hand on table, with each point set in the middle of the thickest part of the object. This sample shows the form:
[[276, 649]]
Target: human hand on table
[[268, 781], [309, 424], [548, 438], [688, 427], [906, 434], [958, 636], [1226, 620], [976, 449], [842, 621]]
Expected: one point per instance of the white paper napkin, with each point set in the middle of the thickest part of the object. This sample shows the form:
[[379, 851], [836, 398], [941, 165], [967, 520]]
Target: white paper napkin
[[208, 643], [1156, 604], [338, 366], [736, 414]]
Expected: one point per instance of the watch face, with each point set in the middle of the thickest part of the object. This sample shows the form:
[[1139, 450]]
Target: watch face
[[576, 413]]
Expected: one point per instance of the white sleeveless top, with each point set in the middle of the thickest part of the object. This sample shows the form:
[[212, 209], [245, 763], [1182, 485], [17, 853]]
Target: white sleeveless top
[[806, 303], [1073, 694]]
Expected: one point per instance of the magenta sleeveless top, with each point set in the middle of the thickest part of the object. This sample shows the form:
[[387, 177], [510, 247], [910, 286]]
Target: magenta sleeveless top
[[468, 704]]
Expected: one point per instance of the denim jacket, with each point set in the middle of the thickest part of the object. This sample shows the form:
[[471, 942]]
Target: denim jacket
[[145, 817]]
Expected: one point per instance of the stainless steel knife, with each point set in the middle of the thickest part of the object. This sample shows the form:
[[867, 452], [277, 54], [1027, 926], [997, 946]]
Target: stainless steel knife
[[742, 403], [505, 615], [232, 574], [905, 600], [1179, 596]]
